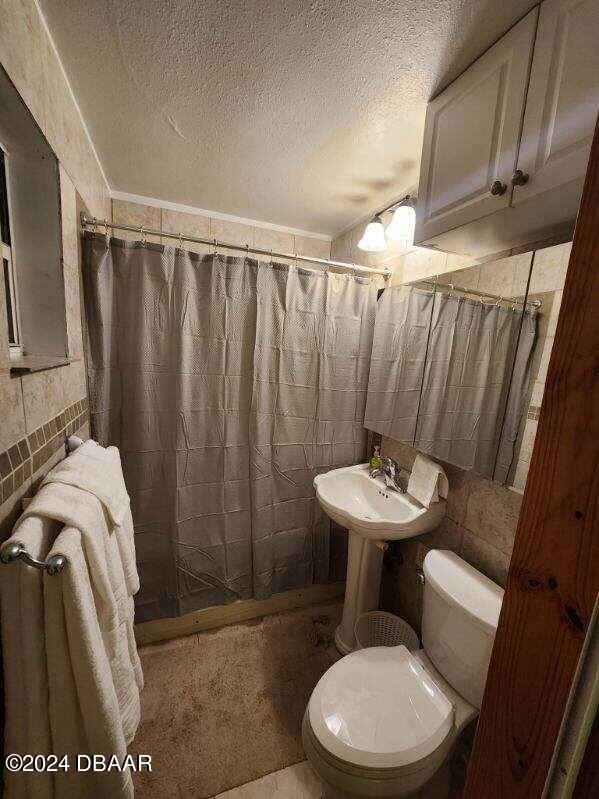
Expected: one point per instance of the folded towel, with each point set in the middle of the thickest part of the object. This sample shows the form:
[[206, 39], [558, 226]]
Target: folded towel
[[84, 704], [27, 721], [428, 481], [79, 664], [82, 511], [97, 470]]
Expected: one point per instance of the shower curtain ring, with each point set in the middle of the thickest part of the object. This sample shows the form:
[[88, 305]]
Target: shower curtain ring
[[215, 242], [181, 240], [142, 232], [95, 224]]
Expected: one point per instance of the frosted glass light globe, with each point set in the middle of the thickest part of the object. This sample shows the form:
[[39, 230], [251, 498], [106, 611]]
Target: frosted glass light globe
[[373, 239], [402, 224]]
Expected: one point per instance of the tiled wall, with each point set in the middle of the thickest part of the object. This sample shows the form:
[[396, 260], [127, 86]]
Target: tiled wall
[[26, 460], [135, 214], [51, 400], [480, 525]]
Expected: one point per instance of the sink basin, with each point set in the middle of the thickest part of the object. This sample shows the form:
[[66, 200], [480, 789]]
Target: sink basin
[[355, 500], [373, 515]]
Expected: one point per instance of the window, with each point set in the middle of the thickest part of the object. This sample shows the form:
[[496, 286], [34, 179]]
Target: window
[[7, 261], [31, 270]]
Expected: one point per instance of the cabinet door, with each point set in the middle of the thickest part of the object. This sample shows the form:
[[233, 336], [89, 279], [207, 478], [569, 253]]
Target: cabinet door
[[471, 136], [563, 98]]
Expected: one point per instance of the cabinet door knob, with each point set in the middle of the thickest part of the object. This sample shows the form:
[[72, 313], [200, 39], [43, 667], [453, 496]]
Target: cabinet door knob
[[498, 188], [519, 178]]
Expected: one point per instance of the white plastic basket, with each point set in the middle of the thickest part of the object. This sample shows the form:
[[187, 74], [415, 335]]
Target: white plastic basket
[[379, 628]]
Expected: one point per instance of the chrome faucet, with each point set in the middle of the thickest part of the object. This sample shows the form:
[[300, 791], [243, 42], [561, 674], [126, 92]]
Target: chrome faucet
[[389, 469]]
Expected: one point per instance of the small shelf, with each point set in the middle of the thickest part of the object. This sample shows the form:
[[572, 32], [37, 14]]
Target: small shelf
[[36, 363]]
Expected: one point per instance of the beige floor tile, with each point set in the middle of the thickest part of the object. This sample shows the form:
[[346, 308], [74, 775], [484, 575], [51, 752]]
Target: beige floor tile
[[295, 782]]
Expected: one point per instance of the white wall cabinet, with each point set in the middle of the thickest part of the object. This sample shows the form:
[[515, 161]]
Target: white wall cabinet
[[506, 145], [471, 135], [563, 97]]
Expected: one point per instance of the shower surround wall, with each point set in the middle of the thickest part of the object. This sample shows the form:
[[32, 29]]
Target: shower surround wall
[[189, 224], [36, 409]]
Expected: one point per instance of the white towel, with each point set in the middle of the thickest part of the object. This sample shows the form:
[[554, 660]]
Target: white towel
[[27, 722], [428, 481], [114, 606], [84, 706], [82, 662], [98, 470]]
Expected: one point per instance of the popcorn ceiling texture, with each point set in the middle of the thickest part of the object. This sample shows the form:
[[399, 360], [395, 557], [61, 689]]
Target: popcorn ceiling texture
[[307, 114]]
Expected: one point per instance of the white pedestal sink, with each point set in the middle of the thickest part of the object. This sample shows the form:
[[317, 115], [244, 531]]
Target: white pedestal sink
[[373, 515]]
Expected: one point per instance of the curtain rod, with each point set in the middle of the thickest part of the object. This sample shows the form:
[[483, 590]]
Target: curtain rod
[[482, 294], [86, 222]]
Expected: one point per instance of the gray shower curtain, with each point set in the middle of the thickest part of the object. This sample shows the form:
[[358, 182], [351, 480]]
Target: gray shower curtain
[[449, 375], [227, 384], [399, 348], [474, 384]]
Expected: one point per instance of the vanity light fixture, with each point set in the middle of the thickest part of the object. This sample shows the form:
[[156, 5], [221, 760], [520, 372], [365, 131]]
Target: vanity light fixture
[[403, 222], [375, 236]]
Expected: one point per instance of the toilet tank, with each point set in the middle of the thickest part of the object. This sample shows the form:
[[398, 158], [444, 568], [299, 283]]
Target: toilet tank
[[459, 621]]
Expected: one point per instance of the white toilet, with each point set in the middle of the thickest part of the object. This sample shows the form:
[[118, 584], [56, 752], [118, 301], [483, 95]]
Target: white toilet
[[381, 721]]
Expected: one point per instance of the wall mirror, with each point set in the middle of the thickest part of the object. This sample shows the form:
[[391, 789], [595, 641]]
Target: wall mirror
[[459, 361], [547, 278]]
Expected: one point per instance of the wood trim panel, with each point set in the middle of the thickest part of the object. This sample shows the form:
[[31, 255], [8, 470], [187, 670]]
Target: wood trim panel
[[149, 632], [554, 574]]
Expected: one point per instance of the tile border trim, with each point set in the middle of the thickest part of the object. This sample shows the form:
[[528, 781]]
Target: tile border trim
[[23, 459]]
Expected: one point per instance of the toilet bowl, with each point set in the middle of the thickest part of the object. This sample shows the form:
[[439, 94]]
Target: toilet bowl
[[382, 721]]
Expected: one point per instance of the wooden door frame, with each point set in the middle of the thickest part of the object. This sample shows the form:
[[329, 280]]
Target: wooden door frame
[[553, 578]]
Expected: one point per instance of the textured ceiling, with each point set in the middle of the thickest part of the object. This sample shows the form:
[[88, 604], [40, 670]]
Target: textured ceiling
[[305, 114]]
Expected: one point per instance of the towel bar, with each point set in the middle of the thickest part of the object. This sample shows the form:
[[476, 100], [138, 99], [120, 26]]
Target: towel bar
[[11, 550]]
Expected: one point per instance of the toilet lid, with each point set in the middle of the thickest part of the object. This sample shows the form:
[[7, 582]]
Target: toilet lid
[[379, 708]]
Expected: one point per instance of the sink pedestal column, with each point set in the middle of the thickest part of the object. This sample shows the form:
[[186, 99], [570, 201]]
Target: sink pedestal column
[[362, 586]]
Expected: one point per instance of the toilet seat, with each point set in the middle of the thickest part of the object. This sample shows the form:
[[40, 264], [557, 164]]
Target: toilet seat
[[379, 708]]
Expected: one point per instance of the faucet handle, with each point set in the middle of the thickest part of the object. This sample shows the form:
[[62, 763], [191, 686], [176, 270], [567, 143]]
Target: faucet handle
[[391, 463], [391, 469]]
